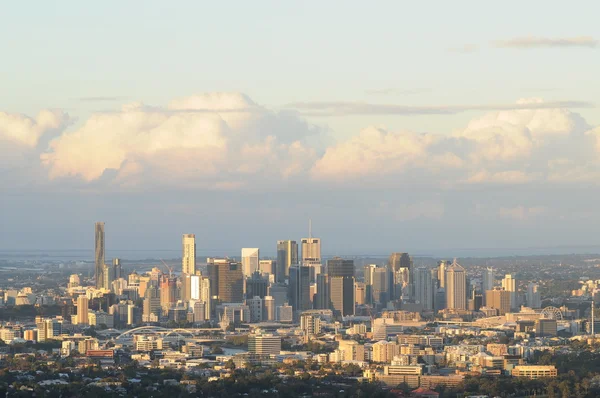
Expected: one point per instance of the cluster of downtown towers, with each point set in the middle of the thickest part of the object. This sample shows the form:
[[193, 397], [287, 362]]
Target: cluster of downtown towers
[[300, 282]]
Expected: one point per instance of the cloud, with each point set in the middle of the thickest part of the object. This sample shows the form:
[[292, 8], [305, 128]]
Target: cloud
[[531, 42], [509, 147], [361, 108], [23, 130], [207, 141]]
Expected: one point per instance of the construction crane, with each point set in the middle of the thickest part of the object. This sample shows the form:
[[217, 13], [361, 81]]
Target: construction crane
[[167, 267]]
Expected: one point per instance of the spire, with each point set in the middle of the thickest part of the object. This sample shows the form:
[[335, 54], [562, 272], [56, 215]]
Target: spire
[[309, 228]]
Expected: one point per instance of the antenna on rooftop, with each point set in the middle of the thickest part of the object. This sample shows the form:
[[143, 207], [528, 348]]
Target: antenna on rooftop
[[309, 229]]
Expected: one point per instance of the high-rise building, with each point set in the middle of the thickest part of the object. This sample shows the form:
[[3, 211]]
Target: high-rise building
[[250, 261], [487, 279], [267, 267], [269, 308], [188, 254], [256, 286], [442, 265], [400, 260], [534, 298], [299, 288], [322, 300], [509, 283], [82, 309], [99, 257], [311, 249], [498, 299], [341, 285], [117, 270], [151, 307], [456, 287], [424, 288], [287, 255], [168, 292], [231, 282]]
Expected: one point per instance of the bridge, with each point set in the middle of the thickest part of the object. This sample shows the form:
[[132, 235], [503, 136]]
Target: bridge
[[198, 334]]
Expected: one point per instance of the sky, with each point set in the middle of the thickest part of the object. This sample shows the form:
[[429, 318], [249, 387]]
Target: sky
[[395, 126]]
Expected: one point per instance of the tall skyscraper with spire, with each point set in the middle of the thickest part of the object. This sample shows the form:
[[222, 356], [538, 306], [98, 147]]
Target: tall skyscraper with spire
[[188, 255], [99, 255], [311, 248]]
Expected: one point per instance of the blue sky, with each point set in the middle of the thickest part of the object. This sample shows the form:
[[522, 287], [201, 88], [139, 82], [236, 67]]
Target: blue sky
[[83, 62]]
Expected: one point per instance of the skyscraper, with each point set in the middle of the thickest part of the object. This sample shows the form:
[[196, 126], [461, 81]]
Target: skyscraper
[[99, 258], [456, 287], [399, 260], [250, 261], [509, 283], [287, 255], [322, 300], [231, 282], [498, 299], [341, 285], [188, 255], [82, 309], [299, 288], [534, 299], [487, 280], [442, 265], [117, 270], [424, 288], [380, 285], [256, 286], [267, 267]]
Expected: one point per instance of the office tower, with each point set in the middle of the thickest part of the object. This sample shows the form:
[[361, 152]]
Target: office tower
[[341, 285], [311, 251], [322, 301], [279, 293], [151, 307], [231, 282], [287, 255], [107, 274], [360, 292], [212, 268], [99, 258], [456, 287], [264, 344], [380, 286], [439, 300], [400, 260], [267, 267], [299, 288], [487, 279], [200, 313], [269, 308], [498, 299], [341, 293], [256, 286], [442, 265], [534, 298], [545, 327], [116, 268], [82, 310], [250, 261], [423, 285], [368, 276], [509, 283], [168, 292], [311, 248], [188, 255]]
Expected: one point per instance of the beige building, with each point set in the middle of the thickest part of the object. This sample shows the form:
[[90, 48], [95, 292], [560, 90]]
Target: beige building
[[534, 371], [456, 287], [498, 299], [188, 255], [82, 310]]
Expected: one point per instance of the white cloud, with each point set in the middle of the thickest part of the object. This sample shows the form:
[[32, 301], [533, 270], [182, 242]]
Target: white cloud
[[522, 213], [213, 140], [27, 131]]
